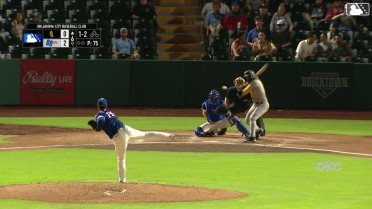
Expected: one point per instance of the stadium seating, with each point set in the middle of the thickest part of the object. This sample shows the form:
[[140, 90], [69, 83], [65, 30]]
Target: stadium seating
[[111, 15]]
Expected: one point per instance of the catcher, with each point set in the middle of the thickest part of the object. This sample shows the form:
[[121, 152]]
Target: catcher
[[208, 110], [119, 133], [217, 117]]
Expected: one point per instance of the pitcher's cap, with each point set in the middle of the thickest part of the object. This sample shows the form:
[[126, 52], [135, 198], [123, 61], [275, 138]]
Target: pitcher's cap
[[102, 102]]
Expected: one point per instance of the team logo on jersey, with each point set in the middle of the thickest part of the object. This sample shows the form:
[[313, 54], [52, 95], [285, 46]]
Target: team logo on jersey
[[325, 83], [357, 9]]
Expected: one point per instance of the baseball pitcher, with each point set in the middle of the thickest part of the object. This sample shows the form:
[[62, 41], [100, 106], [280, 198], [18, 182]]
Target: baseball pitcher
[[119, 133], [217, 117]]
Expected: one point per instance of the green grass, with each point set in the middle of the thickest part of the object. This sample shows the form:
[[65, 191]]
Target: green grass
[[323, 126], [272, 180], [3, 140]]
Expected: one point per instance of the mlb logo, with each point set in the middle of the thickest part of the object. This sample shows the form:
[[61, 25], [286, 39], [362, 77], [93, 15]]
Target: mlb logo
[[357, 9]]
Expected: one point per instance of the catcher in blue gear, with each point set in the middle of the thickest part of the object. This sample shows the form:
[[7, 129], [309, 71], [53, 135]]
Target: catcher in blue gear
[[217, 120]]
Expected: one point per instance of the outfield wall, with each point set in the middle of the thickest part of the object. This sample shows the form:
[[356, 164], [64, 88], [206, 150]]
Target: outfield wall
[[187, 83]]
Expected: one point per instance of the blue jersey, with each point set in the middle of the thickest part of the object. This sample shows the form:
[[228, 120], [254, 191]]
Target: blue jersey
[[108, 122], [210, 106]]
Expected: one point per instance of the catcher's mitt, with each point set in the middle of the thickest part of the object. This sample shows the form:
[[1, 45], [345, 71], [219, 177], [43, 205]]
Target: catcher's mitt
[[222, 109], [93, 124]]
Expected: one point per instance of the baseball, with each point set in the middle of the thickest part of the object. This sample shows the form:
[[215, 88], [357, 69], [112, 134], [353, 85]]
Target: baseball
[[224, 87], [107, 194]]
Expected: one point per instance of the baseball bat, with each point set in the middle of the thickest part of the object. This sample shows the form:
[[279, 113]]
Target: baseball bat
[[259, 72], [262, 70]]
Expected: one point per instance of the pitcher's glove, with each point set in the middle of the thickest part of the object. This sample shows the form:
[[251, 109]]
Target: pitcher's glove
[[222, 109], [93, 124]]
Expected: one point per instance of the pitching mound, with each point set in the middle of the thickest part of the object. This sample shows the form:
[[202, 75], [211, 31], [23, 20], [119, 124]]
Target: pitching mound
[[112, 193]]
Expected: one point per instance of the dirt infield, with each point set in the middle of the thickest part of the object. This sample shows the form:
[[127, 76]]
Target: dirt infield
[[35, 137]]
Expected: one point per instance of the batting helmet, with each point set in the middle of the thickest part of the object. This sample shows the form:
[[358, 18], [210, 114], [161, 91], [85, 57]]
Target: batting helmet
[[102, 103], [249, 75], [239, 83]]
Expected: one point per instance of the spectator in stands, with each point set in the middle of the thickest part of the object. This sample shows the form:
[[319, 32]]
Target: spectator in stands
[[281, 40], [17, 25], [145, 11], [307, 50], [214, 20], [333, 30], [236, 19], [315, 14], [240, 48], [262, 49], [208, 8], [37, 18], [124, 48], [253, 34], [336, 13], [343, 51], [265, 17], [252, 6], [3, 34], [281, 15], [325, 48]]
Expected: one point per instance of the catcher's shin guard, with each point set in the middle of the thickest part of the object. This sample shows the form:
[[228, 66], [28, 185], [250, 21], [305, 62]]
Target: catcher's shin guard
[[239, 125], [199, 132]]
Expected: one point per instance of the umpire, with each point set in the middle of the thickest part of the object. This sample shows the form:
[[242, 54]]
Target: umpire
[[240, 104]]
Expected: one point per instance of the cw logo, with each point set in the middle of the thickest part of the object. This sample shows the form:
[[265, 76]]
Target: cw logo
[[328, 166]]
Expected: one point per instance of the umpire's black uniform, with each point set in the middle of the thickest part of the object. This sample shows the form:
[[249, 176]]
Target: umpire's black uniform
[[240, 104]]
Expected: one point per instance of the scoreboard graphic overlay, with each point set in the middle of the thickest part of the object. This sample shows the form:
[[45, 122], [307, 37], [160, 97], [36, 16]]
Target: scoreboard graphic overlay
[[357, 9], [62, 35]]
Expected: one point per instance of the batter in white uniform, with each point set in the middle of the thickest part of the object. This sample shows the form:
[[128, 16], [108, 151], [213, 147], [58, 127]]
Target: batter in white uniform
[[260, 104]]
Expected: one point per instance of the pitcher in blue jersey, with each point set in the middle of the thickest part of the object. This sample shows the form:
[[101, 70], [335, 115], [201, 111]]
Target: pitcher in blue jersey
[[217, 122], [120, 134]]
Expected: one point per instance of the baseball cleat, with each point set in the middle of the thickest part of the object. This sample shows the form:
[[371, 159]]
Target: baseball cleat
[[171, 136], [222, 131], [263, 132], [249, 139], [259, 133]]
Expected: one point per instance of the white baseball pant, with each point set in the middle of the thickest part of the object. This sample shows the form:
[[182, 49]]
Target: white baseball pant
[[216, 125], [121, 140], [255, 112]]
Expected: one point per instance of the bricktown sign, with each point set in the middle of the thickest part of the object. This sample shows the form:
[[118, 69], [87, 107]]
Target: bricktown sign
[[325, 83]]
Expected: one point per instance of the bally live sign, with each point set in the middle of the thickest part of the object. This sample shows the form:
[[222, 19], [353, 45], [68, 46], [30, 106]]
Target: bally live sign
[[325, 83]]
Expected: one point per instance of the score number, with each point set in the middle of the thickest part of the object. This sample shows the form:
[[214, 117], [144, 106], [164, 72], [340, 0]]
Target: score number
[[91, 34], [82, 34]]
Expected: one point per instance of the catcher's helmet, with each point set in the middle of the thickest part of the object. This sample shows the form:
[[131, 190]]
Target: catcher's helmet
[[249, 75], [214, 94], [102, 103]]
